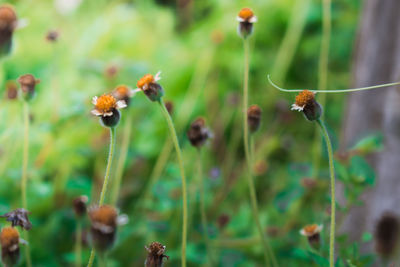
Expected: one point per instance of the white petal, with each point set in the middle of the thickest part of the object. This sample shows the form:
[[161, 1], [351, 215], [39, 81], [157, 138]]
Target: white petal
[[134, 91], [96, 112], [319, 228], [240, 19], [94, 100], [253, 19], [296, 107], [158, 76], [23, 241], [121, 104], [122, 219], [108, 114], [21, 23], [302, 232]]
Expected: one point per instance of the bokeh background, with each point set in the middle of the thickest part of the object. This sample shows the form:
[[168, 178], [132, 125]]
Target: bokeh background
[[102, 44]]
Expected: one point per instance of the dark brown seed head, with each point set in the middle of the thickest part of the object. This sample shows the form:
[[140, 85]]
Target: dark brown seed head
[[103, 226], [198, 133], [254, 118], [52, 36], [170, 107], [28, 83], [9, 239], [18, 217], [79, 205], [155, 255], [387, 235]]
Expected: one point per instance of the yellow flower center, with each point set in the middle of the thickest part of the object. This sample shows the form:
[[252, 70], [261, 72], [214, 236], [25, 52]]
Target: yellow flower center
[[104, 214], [246, 13], [145, 80], [106, 103], [9, 236], [304, 98], [310, 229]]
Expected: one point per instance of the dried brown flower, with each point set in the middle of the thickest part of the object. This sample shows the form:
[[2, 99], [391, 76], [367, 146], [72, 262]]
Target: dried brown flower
[[28, 83], [170, 107], [52, 36], [386, 235], [254, 118], [155, 255], [9, 239], [103, 226], [79, 205], [18, 217], [198, 133]]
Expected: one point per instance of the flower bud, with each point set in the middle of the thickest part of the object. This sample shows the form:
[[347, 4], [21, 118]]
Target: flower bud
[[155, 255], [246, 19], [28, 83], [148, 84], [305, 101], [124, 93], [79, 205], [387, 235], [8, 23], [103, 226], [254, 118], [106, 107], [198, 133], [9, 239], [52, 36], [312, 232]]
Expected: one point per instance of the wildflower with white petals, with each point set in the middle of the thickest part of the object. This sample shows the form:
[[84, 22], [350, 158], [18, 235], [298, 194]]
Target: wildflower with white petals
[[106, 107], [148, 84]]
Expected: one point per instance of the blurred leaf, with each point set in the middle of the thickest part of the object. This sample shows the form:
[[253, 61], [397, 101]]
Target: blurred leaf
[[361, 172], [369, 144]]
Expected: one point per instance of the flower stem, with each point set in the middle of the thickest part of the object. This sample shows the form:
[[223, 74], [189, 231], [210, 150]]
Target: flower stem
[[203, 207], [267, 249], [121, 160], [105, 183], [78, 245], [333, 202], [24, 180], [182, 170]]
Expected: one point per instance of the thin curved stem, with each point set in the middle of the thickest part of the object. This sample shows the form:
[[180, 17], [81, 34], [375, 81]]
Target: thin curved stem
[[182, 171], [333, 202], [333, 91], [24, 180], [78, 245], [121, 160], [105, 182], [203, 213]]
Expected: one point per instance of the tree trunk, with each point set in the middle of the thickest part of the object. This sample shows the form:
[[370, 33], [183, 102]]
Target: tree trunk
[[377, 60]]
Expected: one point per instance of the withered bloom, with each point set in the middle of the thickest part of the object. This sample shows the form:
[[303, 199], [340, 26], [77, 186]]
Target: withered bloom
[[18, 217], [246, 19], [155, 255], [106, 107], [150, 87], [170, 107], [8, 23], [9, 239], [12, 90], [103, 226], [305, 101], [28, 83], [312, 232], [198, 133], [254, 118], [79, 204], [52, 36], [387, 235], [123, 92]]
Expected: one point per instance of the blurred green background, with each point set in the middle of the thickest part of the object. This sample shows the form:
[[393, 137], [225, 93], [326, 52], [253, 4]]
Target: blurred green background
[[103, 44]]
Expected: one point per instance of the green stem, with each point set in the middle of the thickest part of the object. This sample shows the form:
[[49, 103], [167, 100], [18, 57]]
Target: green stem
[[333, 204], [121, 160], [78, 245], [203, 207], [105, 183], [24, 180], [182, 170], [267, 250], [332, 91]]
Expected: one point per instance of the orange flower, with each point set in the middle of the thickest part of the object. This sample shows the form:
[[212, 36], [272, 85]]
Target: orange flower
[[148, 84], [146, 80], [303, 99], [311, 229], [246, 15], [106, 105]]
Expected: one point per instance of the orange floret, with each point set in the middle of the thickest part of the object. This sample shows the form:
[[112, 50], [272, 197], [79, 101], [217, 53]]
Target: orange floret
[[246, 13], [145, 80], [106, 103], [105, 214], [310, 229], [9, 236], [122, 90], [304, 98], [7, 17]]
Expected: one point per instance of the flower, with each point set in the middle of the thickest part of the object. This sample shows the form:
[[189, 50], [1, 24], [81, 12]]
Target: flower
[[103, 226], [79, 205], [8, 23], [124, 93], [246, 19], [9, 240], [148, 84], [254, 118], [198, 133], [387, 233], [155, 255], [106, 107], [312, 232], [305, 102], [18, 217], [28, 83]]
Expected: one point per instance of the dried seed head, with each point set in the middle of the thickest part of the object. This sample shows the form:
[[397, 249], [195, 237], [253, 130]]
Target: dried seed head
[[52, 36], [170, 107], [387, 235], [155, 255], [305, 101], [254, 118], [103, 226], [106, 107], [148, 84], [312, 232], [246, 19], [12, 90], [8, 23], [9, 239], [28, 83], [198, 133], [124, 93], [18, 217], [79, 205]]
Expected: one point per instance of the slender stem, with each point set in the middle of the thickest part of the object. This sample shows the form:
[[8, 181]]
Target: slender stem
[[267, 250], [78, 245], [24, 180], [333, 91], [333, 202], [203, 213], [182, 170], [121, 160], [105, 183]]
